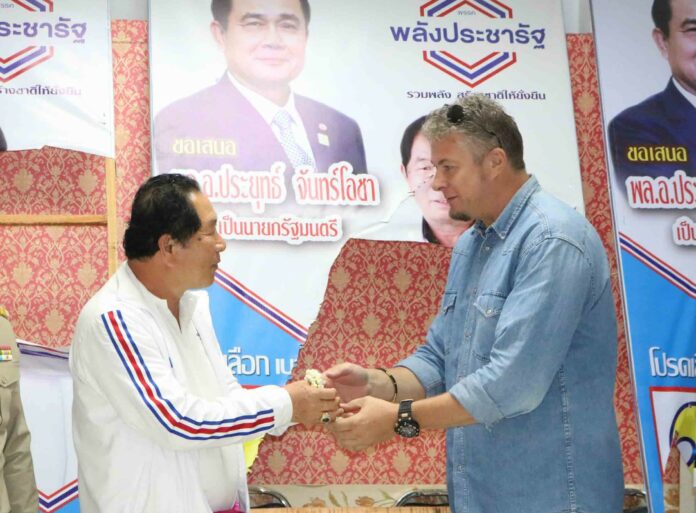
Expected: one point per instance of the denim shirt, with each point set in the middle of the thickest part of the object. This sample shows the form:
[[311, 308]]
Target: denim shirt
[[526, 341]]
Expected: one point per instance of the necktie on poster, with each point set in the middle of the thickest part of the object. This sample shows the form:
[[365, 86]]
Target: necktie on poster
[[298, 156]]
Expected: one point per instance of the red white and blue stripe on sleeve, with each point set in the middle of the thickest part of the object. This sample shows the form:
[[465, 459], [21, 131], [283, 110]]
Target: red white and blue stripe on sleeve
[[163, 410]]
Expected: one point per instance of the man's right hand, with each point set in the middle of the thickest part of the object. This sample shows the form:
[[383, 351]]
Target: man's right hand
[[350, 381], [309, 403]]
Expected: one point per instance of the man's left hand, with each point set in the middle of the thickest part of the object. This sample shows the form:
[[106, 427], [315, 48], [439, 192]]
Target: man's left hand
[[367, 421]]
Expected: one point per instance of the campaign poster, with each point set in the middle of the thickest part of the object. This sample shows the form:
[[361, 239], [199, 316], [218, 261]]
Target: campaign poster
[[46, 390], [292, 115], [647, 76], [56, 85]]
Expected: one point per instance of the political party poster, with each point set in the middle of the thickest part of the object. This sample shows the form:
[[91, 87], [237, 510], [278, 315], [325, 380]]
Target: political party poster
[[46, 390], [647, 74], [291, 114], [56, 86]]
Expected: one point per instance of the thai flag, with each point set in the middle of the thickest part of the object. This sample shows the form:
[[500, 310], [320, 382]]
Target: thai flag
[[50, 503], [23, 61], [490, 8], [35, 5], [471, 74]]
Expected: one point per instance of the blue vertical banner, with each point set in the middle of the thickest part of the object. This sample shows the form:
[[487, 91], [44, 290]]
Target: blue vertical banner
[[647, 77]]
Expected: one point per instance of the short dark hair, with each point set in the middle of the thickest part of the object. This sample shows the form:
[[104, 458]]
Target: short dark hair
[[661, 15], [409, 136], [221, 11], [161, 206]]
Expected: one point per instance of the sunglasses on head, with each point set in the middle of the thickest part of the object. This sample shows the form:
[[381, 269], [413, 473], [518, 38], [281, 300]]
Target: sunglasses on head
[[456, 116]]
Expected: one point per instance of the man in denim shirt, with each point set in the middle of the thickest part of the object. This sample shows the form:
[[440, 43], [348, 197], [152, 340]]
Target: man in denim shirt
[[519, 364]]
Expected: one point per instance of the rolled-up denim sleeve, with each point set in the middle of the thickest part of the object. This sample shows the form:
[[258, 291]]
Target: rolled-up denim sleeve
[[534, 330], [427, 362]]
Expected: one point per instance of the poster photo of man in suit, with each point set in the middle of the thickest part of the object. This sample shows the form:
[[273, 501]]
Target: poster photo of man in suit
[[251, 118], [242, 90], [657, 136]]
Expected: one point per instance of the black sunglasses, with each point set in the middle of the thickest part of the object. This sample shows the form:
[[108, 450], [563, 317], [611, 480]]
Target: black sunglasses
[[455, 116]]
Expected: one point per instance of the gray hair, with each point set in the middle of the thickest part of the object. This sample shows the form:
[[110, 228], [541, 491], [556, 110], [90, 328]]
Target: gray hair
[[483, 122]]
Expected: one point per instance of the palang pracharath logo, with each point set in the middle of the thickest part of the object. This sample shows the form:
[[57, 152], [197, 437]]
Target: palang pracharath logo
[[28, 57], [475, 72]]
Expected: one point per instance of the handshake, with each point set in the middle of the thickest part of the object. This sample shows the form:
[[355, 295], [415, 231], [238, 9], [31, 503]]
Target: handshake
[[340, 399]]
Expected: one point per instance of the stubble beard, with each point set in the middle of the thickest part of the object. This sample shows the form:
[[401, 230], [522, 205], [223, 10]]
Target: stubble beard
[[459, 216]]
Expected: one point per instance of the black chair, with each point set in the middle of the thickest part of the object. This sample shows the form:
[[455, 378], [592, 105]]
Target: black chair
[[265, 498], [635, 501], [423, 498]]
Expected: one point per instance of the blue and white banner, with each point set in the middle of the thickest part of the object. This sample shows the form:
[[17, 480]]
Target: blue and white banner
[[647, 76], [352, 77], [46, 389], [56, 86]]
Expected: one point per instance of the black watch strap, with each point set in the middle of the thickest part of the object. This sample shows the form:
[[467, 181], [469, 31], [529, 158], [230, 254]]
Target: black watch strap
[[405, 411], [405, 425]]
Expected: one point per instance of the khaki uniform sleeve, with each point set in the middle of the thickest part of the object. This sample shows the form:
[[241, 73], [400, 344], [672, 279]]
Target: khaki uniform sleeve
[[18, 492]]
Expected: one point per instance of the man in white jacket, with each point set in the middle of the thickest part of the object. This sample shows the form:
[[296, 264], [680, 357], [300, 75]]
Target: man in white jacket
[[158, 418]]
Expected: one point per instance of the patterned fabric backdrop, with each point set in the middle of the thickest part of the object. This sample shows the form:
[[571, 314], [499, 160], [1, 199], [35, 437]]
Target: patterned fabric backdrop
[[380, 297]]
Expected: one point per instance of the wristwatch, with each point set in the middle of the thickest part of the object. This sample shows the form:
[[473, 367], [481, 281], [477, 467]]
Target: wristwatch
[[405, 424]]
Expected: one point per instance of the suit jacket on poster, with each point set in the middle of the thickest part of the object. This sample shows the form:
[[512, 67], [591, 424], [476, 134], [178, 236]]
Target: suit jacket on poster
[[217, 125], [3, 143], [652, 137]]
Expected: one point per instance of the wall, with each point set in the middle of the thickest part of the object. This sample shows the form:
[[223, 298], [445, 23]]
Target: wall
[[49, 272]]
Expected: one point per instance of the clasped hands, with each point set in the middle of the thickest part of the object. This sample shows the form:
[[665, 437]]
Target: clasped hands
[[341, 402]]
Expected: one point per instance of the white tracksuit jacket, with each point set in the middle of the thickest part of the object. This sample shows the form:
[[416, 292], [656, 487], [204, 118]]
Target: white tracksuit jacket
[[136, 428]]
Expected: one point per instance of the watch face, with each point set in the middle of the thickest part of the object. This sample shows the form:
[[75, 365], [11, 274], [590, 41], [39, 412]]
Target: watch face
[[408, 428]]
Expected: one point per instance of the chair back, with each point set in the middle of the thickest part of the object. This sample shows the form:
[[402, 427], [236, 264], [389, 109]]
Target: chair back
[[634, 501], [264, 498], [423, 498]]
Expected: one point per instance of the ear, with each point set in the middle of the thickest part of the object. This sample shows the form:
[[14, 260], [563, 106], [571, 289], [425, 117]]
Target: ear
[[218, 33], [403, 171], [166, 245], [661, 41], [495, 162]]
